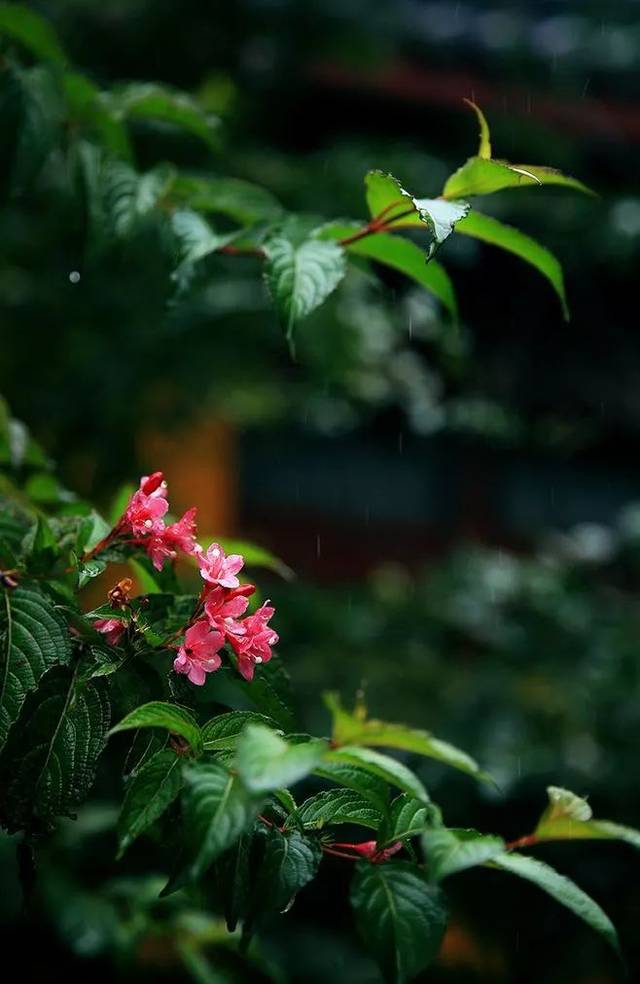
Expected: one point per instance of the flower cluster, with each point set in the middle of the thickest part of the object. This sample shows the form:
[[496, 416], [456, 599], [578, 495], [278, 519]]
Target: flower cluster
[[223, 601]]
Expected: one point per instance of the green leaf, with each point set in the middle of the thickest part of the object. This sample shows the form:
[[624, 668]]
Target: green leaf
[[41, 547], [484, 150], [218, 809], [400, 916], [223, 731], [126, 195], [378, 765], [356, 729], [389, 202], [93, 112], [346, 773], [233, 879], [145, 579], [92, 529], [269, 692], [146, 101], [241, 201], [196, 239], [49, 761], [479, 176], [449, 851], [560, 888], [300, 278], [569, 817], [337, 806], [406, 257], [265, 761], [158, 714], [490, 230], [32, 31], [407, 817], [34, 638], [290, 862], [149, 792]]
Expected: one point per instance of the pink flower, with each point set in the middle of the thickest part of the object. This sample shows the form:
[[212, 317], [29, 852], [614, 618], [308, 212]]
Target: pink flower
[[154, 485], [254, 645], [217, 568], [111, 628], [198, 655], [222, 608], [178, 536], [144, 513]]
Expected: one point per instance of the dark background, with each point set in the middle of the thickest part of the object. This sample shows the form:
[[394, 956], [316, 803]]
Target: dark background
[[460, 516]]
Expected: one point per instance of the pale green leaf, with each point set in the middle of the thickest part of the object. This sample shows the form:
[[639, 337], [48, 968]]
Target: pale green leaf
[[147, 101], [450, 851], [300, 278], [490, 230], [484, 150], [480, 176], [242, 201], [569, 817], [265, 761]]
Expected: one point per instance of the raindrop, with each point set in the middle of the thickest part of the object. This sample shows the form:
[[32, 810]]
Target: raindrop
[[74, 277]]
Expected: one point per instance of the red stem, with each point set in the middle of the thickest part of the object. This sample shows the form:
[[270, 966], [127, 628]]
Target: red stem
[[527, 841]]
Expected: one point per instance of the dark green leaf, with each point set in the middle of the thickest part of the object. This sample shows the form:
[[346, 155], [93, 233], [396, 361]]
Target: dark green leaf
[[337, 806], [149, 792], [171, 717], [290, 862], [49, 761], [224, 730], [400, 916], [146, 101], [218, 810], [34, 638], [407, 817], [242, 201], [32, 31]]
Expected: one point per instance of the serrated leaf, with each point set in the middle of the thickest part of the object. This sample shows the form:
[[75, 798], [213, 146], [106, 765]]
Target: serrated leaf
[[32, 31], [569, 817], [34, 638], [233, 880], [450, 851], [400, 915], [407, 817], [223, 731], [218, 809], [290, 862], [196, 239], [171, 717], [443, 217], [300, 278], [48, 763], [336, 806], [357, 729], [382, 766], [353, 776], [265, 761], [560, 888], [149, 792], [490, 230], [146, 101], [390, 203]]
